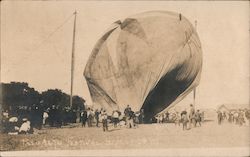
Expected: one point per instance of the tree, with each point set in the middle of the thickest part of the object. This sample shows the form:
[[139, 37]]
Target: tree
[[54, 97], [78, 103], [18, 94]]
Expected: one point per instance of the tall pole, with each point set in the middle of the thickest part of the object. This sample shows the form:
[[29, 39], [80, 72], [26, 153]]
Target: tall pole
[[195, 24], [72, 60], [194, 94], [194, 91]]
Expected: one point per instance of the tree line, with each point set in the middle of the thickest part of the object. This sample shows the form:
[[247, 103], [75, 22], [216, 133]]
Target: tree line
[[17, 95]]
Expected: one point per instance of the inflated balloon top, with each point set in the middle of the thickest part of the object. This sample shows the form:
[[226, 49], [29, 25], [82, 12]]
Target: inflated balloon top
[[149, 61]]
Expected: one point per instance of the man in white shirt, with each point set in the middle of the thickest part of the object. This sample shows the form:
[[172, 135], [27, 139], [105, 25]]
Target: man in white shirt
[[45, 116], [115, 118], [25, 127]]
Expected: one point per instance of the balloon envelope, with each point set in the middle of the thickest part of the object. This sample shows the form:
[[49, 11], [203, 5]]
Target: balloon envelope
[[149, 61]]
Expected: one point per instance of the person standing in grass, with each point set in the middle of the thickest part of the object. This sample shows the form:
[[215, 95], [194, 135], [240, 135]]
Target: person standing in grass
[[167, 117], [177, 119], [126, 113], [141, 116], [84, 117], [241, 118], [115, 117], [184, 119], [97, 117], [247, 115], [230, 117], [192, 116], [89, 117], [131, 119], [198, 118], [219, 117], [104, 120]]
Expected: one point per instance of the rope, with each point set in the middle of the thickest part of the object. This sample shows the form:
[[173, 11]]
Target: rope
[[46, 39], [52, 33]]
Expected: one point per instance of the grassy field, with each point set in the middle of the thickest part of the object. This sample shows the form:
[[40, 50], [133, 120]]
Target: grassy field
[[159, 136]]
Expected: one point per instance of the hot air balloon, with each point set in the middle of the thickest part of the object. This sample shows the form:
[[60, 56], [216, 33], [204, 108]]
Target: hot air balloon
[[149, 61]]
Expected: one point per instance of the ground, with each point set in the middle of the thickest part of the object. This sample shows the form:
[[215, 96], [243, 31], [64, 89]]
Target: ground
[[209, 135]]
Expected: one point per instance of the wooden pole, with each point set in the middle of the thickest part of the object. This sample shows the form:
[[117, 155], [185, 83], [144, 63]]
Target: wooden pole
[[195, 25], [194, 94], [194, 91], [72, 60]]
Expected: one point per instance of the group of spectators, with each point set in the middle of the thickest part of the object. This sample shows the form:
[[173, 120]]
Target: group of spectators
[[57, 117], [24, 120], [193, 118], [239, 117], [130, 118], [36, 117]]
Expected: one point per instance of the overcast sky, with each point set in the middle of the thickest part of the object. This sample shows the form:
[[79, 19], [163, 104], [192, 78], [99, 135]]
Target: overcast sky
[[29, 53]]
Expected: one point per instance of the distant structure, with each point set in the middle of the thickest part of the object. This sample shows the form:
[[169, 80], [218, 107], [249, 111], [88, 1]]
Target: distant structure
[[149, 61], [232, 107]]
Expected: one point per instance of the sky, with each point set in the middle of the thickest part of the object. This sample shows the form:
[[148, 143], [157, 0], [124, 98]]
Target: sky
[[32, 51]]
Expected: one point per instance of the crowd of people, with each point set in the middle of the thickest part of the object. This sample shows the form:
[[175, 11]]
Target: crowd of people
[[129, 118], [36, 117], [238, 117], [188, 120], [24, 120]]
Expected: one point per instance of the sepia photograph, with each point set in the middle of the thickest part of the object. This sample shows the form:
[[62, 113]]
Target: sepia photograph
[[124, 78]]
